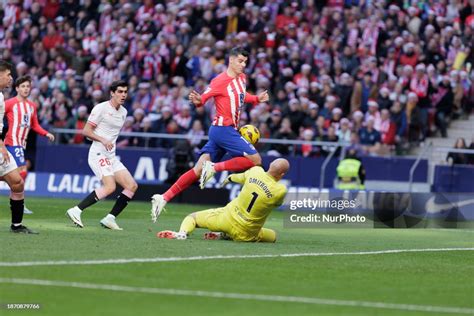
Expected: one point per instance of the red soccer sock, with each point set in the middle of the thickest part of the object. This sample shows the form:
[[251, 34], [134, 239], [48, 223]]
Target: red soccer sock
[[234, 164], [180, 185]]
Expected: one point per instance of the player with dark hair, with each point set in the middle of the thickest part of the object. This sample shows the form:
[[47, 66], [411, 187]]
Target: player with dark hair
[[8, 166], [229, 92], [21, 115], [103, 127]]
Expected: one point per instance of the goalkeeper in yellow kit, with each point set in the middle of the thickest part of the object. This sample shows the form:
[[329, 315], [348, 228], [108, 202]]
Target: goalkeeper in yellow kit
[[241, 219]]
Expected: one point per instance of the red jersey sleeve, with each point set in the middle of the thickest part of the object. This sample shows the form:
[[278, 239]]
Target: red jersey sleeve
[[35, 125], [211, 91], [8, 105], [250, 98]]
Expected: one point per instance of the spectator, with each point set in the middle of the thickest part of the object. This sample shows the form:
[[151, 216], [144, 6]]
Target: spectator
[[344, 91], [363, 90], [295, 114], [146, 126], [183, 118], [264, 133], [201, 114], [331, 136], [52, 38], [285, 132], [383, 99], [124, 141], [370, 137], [344, 132], [373, 113], [162, 122], [195, 136], [138, 117], [329, 106], [358, 121], [274, 121], [413, 118], [443, 101], [61, 121], [321, 128], [471, 156], [387, 131], [399, 118], [307, 149], [458, 158], [78, 123]]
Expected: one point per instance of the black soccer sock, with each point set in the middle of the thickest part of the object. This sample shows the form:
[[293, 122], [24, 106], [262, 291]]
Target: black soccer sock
[[120, 204], [17, 207], [91, 199]]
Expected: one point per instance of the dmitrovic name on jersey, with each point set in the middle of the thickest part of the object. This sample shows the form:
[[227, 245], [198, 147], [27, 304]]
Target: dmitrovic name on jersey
[[262, 185]]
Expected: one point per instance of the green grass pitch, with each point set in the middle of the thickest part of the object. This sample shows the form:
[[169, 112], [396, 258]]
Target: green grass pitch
[[356, 284]]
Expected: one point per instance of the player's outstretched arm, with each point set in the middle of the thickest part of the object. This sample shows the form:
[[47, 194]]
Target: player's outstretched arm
[[36, 126], [255, 99], [235, 178]]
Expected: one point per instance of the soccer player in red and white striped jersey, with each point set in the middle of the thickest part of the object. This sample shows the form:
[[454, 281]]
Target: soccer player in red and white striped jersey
[[8, 167], [22, 116], [229, 92]]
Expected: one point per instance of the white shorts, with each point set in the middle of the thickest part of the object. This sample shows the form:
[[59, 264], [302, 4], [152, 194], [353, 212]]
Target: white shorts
[[6, 168], [104, 166]]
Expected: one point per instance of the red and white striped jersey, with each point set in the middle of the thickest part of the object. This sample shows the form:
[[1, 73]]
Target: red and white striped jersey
[[229, 96], [21, 118], [420, 86]]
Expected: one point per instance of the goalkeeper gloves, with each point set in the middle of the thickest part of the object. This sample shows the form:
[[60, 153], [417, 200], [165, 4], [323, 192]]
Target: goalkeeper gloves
[[226, 181]]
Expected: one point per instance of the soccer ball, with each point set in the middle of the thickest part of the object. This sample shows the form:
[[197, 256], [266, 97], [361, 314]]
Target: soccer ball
[[250, 133]]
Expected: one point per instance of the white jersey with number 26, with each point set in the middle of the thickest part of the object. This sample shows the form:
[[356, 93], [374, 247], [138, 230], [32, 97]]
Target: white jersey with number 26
[[108, 122]]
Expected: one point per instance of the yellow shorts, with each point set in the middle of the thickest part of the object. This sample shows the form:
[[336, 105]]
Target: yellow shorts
[[219, 220]]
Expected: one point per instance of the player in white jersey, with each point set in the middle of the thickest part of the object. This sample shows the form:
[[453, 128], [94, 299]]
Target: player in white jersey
[[8, 167], [103, 127]]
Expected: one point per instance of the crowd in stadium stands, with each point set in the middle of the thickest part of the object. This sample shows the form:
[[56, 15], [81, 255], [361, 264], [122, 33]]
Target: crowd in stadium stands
[[376, 73]]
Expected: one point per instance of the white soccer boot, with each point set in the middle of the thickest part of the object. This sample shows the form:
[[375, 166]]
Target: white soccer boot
[[75, 215], [110, 223], [158, 203], [207, 173]]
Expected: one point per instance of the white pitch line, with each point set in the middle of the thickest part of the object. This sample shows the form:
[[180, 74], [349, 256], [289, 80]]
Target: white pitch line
[[241, 296], [217, 257]]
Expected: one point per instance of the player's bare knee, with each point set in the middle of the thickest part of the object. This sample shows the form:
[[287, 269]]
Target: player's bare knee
[[133, 186], [198, 169], [256, 159], [15, 182], [17, 186]]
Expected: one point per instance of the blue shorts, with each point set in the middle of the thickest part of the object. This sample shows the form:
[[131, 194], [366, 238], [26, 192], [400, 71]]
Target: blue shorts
[[226, 139], [18, 153]]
